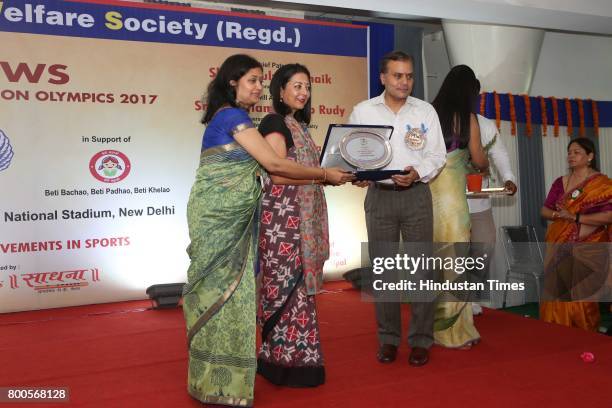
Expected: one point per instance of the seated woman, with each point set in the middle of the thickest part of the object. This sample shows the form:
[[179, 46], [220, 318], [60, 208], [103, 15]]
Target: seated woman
[[579, 205], [293, 242]]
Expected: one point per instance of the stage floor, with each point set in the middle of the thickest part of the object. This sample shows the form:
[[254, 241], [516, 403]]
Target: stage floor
[[124, 355]]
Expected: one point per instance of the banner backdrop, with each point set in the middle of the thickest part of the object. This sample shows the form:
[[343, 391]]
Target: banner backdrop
[[100, 104]]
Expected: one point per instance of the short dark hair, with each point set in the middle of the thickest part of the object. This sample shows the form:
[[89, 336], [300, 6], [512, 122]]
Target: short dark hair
[[220, 92], [394, 56], [589, 147], [279, 81]]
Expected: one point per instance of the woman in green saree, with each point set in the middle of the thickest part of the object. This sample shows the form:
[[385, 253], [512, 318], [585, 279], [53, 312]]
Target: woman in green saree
[[454, 326], [219, 297]]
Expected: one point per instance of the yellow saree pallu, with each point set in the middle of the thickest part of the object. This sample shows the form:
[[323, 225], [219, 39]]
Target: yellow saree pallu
[[219, 298], [454, 324], [578, 268]]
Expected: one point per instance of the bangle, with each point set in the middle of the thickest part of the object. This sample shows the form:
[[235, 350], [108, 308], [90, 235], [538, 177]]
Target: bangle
[[324, 175], [577, 218], [312, 182], [555, 215]]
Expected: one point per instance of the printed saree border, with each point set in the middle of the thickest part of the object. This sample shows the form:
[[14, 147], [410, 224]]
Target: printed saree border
[[215, 307], [230, 401]]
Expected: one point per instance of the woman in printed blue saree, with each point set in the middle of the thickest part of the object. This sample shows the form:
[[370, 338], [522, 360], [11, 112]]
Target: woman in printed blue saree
[[219, 297]]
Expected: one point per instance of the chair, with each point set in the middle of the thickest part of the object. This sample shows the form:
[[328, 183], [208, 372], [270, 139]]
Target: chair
[[524, 256]]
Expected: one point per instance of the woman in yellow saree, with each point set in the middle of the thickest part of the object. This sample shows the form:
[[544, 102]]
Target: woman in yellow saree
[[219, 297], [580, 208], [454, 325]]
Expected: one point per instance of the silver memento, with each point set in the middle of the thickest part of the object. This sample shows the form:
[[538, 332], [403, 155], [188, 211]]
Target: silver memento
[[366, 150]]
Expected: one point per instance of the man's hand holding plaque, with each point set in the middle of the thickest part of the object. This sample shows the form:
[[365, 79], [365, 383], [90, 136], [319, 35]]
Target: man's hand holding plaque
[[406, 179]]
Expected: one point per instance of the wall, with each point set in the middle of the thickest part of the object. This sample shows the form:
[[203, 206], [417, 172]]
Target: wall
[[435, 63], [574, 65]]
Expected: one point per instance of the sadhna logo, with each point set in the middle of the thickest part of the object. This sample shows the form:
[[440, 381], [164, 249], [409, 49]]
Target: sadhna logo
[[6, 150], [110, 166], [56, 281]]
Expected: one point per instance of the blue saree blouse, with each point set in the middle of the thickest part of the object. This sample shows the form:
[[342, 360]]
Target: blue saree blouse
[[224, 125]]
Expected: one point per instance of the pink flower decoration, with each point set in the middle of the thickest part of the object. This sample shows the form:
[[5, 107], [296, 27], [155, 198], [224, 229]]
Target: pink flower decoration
[[587, 357]]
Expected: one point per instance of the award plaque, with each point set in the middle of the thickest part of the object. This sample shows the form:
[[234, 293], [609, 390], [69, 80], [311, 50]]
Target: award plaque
[[365, 150], [362, 149]]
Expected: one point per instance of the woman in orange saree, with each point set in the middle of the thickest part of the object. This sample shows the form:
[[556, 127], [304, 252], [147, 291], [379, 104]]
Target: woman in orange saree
[[580, 208]]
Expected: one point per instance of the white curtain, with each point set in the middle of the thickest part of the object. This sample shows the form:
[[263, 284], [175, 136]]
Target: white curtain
[[506, 210], [555, 155], [605, 150]]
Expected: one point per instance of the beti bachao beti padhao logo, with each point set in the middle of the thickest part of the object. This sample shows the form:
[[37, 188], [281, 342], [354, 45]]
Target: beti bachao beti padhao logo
[[110, 166]]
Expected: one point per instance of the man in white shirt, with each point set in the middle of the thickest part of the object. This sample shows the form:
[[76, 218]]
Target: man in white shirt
[[402, 204], [481, 215]]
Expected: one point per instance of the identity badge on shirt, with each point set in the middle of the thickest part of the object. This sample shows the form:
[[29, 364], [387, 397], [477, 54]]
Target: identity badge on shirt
[[415, 136]]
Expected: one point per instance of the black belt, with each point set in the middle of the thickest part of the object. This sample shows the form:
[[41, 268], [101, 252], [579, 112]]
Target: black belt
[[390, 187]]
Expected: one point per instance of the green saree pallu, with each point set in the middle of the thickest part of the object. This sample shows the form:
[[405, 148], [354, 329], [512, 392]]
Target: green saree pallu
[[454, 325], [219, 297]]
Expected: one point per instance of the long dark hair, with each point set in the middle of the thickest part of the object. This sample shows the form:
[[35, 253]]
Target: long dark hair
[[220, 92], [454, 104], [589, 147], [279, 81]]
